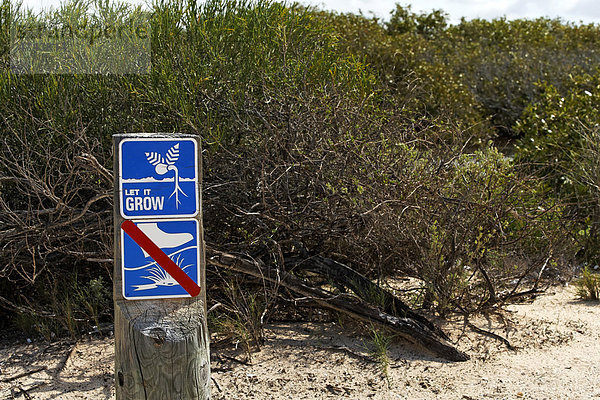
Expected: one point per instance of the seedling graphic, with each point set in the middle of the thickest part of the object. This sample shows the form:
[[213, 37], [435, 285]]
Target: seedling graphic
[[162, 165], [160, 277]]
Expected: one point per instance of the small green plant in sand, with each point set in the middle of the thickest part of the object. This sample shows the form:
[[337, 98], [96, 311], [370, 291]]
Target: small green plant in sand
[[588, 286], [381, 344]]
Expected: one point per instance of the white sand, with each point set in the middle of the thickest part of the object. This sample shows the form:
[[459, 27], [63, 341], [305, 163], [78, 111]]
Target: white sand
[[558, 357]]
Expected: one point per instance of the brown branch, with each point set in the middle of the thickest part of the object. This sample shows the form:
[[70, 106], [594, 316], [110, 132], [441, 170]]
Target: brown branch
[[86, 207], [490, 334], [407, 328], [93, 162], [9, 305], [23, 374], [362, 287]]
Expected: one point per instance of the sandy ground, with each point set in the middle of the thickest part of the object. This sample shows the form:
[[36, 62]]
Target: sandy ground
[[557, 357]]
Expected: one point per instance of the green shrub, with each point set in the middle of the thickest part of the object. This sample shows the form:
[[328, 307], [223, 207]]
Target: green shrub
[[413, 68], [502, 62], [403, 20], [560, 144], [243, 75], [325, 131], [553, 129]]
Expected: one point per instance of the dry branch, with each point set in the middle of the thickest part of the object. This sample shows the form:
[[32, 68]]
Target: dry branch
[[490, 334], [23, 374], [341, 274], [408, 328]]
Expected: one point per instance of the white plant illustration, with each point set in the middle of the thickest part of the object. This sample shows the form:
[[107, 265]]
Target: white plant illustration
[[162, 165], [160, 277]]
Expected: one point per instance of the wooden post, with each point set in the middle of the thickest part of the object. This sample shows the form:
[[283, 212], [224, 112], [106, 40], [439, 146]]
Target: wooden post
[[161, 345]]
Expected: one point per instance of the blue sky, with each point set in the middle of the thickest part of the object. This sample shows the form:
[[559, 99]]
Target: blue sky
[[573, 10]]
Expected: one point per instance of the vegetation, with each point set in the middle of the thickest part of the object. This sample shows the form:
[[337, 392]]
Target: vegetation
[[463, 156], [588, 286], [381, 343]]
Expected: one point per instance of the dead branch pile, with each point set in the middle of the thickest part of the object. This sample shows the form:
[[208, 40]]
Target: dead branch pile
[[404, 322]]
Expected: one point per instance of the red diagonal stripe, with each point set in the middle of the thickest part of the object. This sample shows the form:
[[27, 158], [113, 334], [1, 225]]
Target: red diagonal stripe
[[161, 258]]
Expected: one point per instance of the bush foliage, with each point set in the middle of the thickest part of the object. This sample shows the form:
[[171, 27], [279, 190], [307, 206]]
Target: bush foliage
[[374, 143]]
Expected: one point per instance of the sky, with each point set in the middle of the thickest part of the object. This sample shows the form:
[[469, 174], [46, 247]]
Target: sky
[[573, 10]]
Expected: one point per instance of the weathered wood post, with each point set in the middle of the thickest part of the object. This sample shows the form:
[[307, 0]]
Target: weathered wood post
[[161, 336]]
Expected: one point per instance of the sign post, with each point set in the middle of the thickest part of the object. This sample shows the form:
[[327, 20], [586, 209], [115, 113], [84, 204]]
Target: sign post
[[161, 336]]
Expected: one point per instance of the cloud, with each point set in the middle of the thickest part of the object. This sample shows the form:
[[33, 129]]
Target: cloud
[[574, 10], [587, 10]]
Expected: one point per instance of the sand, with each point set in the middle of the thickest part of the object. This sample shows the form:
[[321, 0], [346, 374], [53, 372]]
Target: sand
[[557, 356]]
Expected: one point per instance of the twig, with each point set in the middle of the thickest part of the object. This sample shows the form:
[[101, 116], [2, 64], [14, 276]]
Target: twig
[[218, 369], [9, 305], [60, 367], [539, 277], [24, 393], [213, 308], [216, 383], [100, 260], [93, 161], [490, 334], [530, 292], [21, 375], [246, 363], [85, 209]]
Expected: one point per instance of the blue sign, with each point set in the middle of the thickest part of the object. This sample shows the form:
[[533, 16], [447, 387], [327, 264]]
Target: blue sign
[[143, 278], [158, 178]]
